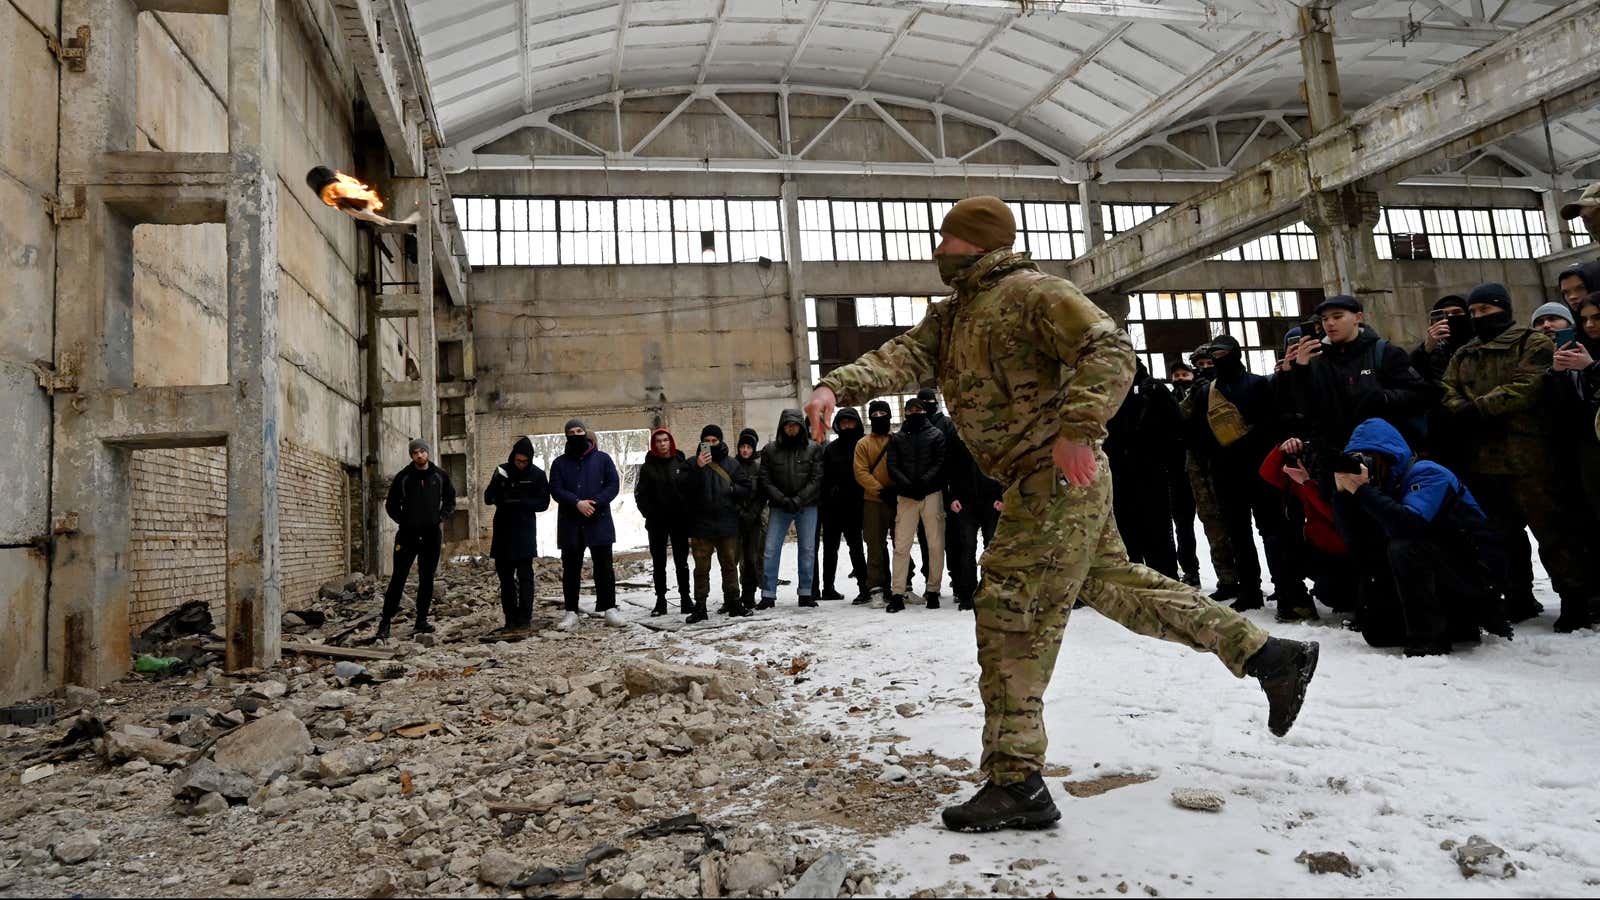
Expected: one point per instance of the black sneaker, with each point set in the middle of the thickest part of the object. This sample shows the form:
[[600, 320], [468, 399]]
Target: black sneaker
[[1025, 805], [896, 604], [1284, 668], [738, 610], [422, 628], [808, 602], [767, 603], [862, 599], [831, 594], [382, 634], [1248, 602], [1225, 592], [932, 600]]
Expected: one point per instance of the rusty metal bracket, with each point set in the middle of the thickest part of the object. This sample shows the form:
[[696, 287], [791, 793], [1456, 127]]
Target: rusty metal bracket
[[74, 54], [60, 212], [56, 378], [66, 523]]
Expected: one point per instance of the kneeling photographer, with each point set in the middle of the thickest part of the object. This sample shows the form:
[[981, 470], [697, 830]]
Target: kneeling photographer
[[1414, 519]]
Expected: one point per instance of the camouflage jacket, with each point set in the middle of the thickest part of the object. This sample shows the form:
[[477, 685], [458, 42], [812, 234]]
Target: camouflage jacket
[[1023, 358], [1504, 379]]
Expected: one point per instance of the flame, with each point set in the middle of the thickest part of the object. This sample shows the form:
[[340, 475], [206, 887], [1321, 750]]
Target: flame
[[346, 193]]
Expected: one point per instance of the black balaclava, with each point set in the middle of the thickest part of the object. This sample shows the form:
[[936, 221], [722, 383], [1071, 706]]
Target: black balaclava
[[848, 435], [1460, 323], [577, 445], [880, 424], [1491, 326], [1230, 366], [916, 416]]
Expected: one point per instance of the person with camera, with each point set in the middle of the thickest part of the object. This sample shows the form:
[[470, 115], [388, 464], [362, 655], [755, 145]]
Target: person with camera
[[1414, 520], [716, 483], [1314, 540], [1449, 329], [1343, 373], [518, 491], [1236, 421], [658, 493], [841, 503], [1496, 397]]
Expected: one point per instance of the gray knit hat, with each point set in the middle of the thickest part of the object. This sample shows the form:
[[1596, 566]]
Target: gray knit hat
[[420, 444], [1552, 309], [576, 423]]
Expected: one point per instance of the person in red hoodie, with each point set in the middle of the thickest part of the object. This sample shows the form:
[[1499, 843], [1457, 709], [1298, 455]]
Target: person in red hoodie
[[1320, 547], [659, 494]]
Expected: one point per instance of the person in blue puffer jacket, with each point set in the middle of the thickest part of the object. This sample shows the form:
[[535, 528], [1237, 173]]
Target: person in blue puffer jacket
[[1432, 567]]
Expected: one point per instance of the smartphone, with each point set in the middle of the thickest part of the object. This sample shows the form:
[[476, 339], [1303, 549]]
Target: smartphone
[[704, 449], [1438, 315], [1311, 328], [1565, 336]]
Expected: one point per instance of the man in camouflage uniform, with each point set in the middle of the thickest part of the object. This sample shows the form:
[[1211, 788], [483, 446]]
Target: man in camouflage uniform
[[1031, 370], [1494, 394]]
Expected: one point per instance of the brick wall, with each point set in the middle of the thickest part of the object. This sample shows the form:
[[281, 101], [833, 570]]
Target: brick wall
[[179, 532], [313, 519]]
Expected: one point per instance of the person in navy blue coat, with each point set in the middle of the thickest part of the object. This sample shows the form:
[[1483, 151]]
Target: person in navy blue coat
[[518, 491], [584, 481]]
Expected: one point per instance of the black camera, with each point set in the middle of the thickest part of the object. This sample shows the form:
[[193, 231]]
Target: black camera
[[1352, 463]]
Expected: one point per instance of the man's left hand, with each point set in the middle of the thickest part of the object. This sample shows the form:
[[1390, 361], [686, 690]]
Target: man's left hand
[[1350, 482], [1076, 461], [586, 507]]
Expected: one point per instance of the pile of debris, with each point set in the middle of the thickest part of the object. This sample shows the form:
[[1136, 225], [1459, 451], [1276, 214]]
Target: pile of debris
[[566, 764]]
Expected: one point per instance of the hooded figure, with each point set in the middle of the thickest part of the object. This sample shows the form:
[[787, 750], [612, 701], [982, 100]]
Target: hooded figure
[[841, 500], [659, 493], [791, 476], [1431, 565], [518, 491], [752, 520], [1143, 445], [718, 484], [584, 482]]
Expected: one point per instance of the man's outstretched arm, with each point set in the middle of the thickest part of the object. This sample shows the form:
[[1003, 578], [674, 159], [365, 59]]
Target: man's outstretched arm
[[901, 363]]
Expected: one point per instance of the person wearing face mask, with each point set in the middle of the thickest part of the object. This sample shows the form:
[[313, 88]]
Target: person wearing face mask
[[658, 493], [1495, 394], [1449, 329], [871, 465], [791, 477], [584, 481], [1032, 370], [841, 503], [1139, 441], [717, 484], [1198, 451], [518, 491], [752, 523], [1234, 417], [1180, 492], [916, 467]]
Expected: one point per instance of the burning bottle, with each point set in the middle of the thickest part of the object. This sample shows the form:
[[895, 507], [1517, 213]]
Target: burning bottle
[[348, 195]]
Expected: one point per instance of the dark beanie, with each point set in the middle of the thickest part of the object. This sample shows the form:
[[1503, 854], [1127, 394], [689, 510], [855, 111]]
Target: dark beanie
[[576, 423], [915, 404], [879, 406], [711, 431], [928, 395], [1339, 301], [1225, 342], [1492, 293], [1449, 300], [749, 436], [982, 221], [420, 444]]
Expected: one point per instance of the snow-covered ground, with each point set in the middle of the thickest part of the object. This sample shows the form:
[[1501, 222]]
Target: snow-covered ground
[[1390, 758]]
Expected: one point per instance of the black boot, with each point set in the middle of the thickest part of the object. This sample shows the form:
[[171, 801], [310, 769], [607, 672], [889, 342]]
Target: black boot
[[896, 604], [661, 608], [1521, 609], [808, 602], [382, 634], [1026, 805], [1226, 591], [1285, 669], [1575, 615], [932, 599], [685, 605], [697, 613], [831, 594], [1248, 601], [422, 627], [862, 599], [1192, 579], [767, 603], [738, 609]]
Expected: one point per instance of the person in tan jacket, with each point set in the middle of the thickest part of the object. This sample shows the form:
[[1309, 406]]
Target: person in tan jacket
[[877, 512]]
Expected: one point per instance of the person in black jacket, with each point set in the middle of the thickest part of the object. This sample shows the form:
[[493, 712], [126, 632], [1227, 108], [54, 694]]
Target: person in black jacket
[[658, 493], [1139, 443], [518, 491], [1348, 377], [916, 468], [974, 504], [1180, 492], [752, 523], [717, 485], [841, 503], [420, 498], [1575, 283], [1234, 423], [791, 480]]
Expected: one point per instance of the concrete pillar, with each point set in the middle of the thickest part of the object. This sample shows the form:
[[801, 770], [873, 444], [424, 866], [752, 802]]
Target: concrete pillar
[[254, 589], [1324, 102], [1554, 225], [797, 291], [372, 349], [1094, 225]]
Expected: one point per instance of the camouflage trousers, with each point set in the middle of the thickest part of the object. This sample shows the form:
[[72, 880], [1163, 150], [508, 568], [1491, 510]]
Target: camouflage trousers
[[1057, 543], [1205, 506]]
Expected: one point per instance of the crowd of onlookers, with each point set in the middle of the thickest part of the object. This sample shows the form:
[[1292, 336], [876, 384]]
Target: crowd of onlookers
[[1399, 483]]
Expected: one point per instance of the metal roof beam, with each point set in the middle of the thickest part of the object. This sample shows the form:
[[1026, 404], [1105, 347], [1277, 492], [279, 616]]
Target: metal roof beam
[[624, 10], [1547, 66], [790, 166], [988, 41], [894, 44], [805, 38], [1204, 15], [1068, 73], [711, 42]]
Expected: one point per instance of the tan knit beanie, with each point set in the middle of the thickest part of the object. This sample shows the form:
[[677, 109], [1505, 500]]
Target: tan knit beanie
[[984, 221]]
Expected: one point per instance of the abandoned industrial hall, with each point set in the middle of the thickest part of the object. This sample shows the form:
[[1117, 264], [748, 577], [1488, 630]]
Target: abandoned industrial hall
[[275, 275]]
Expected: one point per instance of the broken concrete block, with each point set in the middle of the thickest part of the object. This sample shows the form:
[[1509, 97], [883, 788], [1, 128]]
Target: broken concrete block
[[206, 777], [266, 747], [120, 747]]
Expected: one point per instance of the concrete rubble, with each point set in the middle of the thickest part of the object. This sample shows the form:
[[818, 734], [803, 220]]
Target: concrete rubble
[[592, 763]]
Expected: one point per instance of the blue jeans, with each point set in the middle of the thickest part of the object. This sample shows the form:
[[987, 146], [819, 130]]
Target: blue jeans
[[778, 522]]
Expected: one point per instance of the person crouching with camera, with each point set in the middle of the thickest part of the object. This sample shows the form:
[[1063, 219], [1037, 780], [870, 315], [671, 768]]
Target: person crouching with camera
[[1415, 519]]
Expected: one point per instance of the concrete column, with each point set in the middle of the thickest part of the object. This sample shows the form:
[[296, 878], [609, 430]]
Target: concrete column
[[421, 195], [1324, 102], [372, 350], [254, 589], [90, 505], [1554, 225], [797, 291], [1094, 225]]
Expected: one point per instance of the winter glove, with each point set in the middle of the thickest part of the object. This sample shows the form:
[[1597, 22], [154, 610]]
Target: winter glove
[[790, 504]]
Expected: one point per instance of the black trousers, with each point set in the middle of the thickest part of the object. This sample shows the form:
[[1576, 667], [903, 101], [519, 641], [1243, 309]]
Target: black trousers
[[605, 577], [961, 530], [1242, 495], [675, 534], [1181, 495], [846, 524], [413, 545], [516, 590], [752, 557], [1517, 503], [1420, 595], [1144, 517]]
